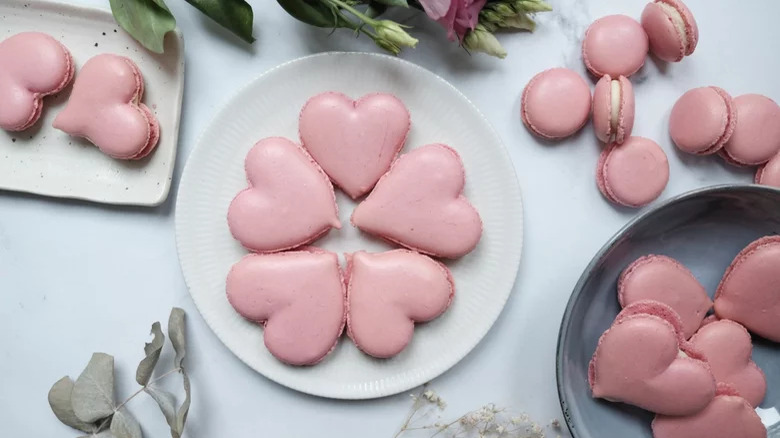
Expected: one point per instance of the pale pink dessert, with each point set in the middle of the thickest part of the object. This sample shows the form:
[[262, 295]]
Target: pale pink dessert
[[32, 65], [769, 173], [388, 293], [297, 296], [728, 416], [105, 108], [756, 137], [663, 279], [703, 120], [613, 109], [632, 174], [556, 103], [615, 45], [354, 142], [644, 360], [727, 347], [419, 204], [289, 201], [671, 29], [749, 292]]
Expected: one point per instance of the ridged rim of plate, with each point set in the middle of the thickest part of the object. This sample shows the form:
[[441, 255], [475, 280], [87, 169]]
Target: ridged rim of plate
[[396, 383]]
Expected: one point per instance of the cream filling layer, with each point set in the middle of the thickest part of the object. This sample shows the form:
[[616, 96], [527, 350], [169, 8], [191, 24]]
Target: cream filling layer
[[678, 21]]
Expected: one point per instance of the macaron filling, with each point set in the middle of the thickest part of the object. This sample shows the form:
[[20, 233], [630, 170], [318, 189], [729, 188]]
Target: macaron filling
[[616, 96], [677, 19]]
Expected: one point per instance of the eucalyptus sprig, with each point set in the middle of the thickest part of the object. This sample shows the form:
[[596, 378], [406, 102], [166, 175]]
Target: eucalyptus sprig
[[89, 405]]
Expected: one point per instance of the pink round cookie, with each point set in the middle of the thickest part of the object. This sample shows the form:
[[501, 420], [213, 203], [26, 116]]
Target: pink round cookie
[[632, 174], [289, 201], [728, 416], [756, 137], [643, 360], [671, 29], [728, 348], [664, 279], [105, 108], [419, 204], [615, 45], [555, 103], [32, 65], [769, 173], [388, 293], [354, 142], [703, 120], [297, 296], [749, 292], [613, 109]]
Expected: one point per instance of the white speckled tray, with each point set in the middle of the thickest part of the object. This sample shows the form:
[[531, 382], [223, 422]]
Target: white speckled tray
[[46, 161]]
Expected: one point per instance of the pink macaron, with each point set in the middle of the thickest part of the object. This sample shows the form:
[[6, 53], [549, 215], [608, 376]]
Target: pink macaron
[[756, 137], [769, 173], [703, 120], [633, 174], [613, 109], [556, 103], [671, 28], [615, 45]]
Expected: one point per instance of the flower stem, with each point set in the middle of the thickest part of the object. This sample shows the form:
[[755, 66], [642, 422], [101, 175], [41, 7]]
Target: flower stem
[[353, 11]]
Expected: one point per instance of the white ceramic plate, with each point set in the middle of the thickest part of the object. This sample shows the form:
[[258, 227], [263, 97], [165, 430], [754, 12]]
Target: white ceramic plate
[[47, 161], [269, 106]]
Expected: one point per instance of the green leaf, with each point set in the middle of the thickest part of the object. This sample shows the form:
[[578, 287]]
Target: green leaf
[[104, 434], [176, 332], [234, 15], [167, 404], [375, 9], [313, 13], [123, 425], [152, 350], [93, 392], [181, 416], [145, 20], [401, 3], [59, 400]]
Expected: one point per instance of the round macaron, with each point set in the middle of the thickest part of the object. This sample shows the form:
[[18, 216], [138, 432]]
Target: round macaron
[[756, 137], [556, 103], [769, 173], [632, 174], [703, 120], [671, 28], [613, 109], [615, 45]]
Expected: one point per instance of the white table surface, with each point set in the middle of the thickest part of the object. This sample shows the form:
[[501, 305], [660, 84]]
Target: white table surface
[[77, 277]]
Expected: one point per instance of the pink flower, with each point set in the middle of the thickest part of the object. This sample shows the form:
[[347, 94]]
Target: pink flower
[[457, 16]]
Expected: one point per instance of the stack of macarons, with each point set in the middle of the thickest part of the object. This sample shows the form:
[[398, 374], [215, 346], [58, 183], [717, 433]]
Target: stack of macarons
[[663, 353], [632, 171]]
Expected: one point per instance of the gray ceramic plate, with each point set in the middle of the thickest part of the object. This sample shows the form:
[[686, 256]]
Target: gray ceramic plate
[[703, 229]]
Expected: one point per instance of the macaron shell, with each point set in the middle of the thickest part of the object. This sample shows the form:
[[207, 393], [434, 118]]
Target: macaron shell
[[602, 108], [702, 120], [756, 138], [633, 174], [727, 416], [666, 42], [615, 45], [769, 173], [625, 123], [691, 27], [556, 103]]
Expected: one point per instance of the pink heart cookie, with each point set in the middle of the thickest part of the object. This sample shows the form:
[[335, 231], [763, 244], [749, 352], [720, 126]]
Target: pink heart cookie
[[419, 204], [355, 142], [32, 65], [297, 296], [644, 361], [728, 416], [388, 292], [727, 347], [289, 201], [105, 108], [749, 292], [661, 278]]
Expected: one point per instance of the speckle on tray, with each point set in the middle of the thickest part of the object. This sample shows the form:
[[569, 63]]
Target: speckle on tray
[[104, 34], [13, 140], [114, 30], [96, 44]]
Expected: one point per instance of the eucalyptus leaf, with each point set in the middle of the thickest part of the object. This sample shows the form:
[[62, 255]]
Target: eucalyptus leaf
[[59, 400], [234, 15], [401, 3], [93, 392], [152, 350], [176, 332], [145, 20], [123, 425], [104, 434], [167, 403], [181, 416], [314, 13]]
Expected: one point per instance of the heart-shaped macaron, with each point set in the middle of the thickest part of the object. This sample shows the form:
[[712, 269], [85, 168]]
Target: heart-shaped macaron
[[297, 296], [419, 204], [727, 347], [105, 108], [642, 360], [387, 293], [728, 416], [355, 142], [664, 279], [289, 201], [749, 292], [32, 65]]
